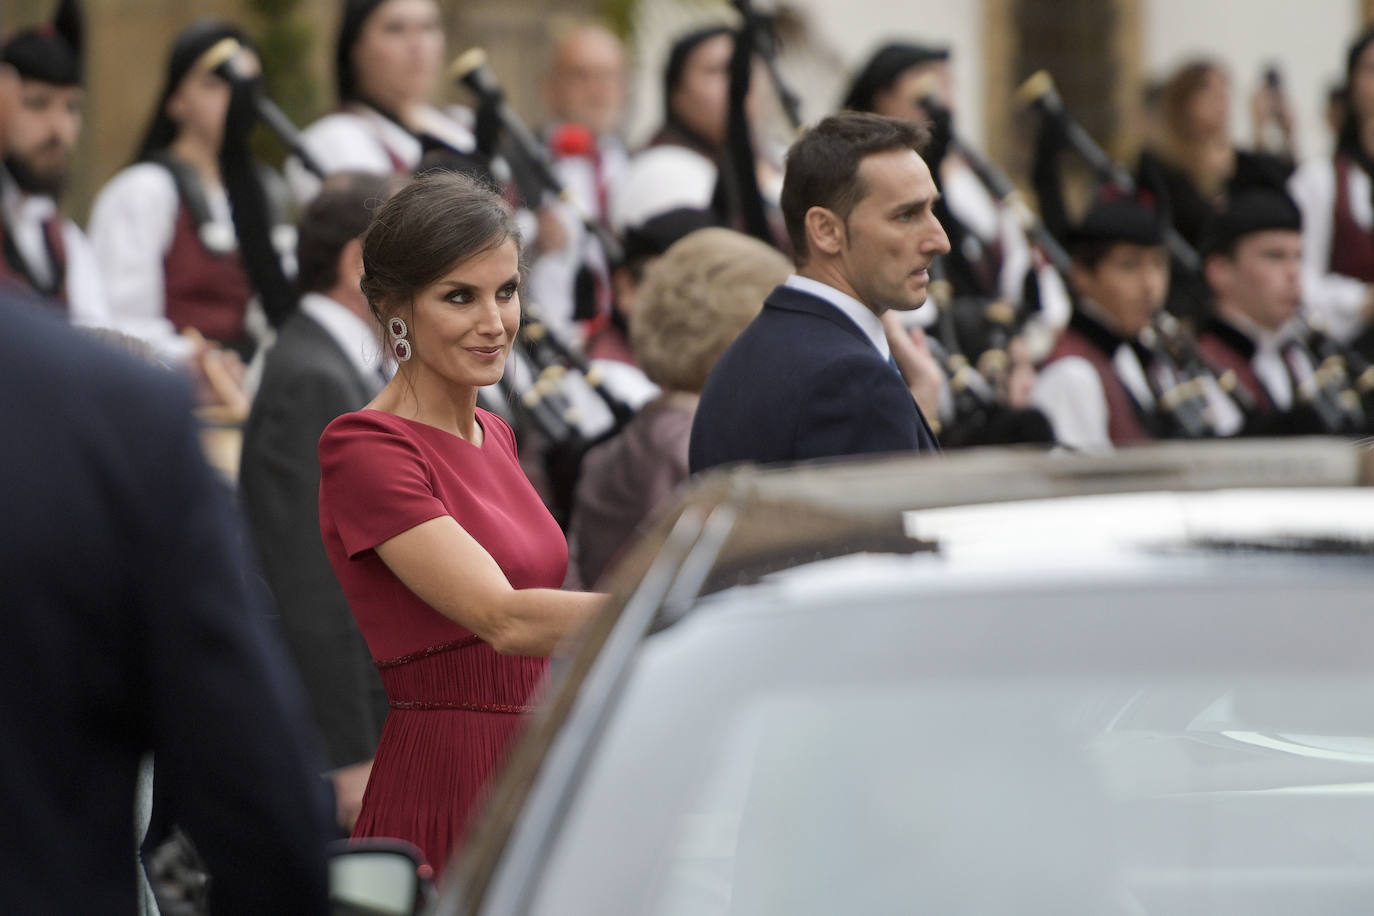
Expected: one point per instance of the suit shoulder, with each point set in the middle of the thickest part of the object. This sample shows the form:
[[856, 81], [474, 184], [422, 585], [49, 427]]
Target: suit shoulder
[[70, 370], [302, 337]]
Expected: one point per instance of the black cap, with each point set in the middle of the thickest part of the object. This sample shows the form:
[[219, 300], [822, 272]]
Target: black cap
[[355, 14], [49, 53], [1252, 209], [889, 62], [1116, 217]]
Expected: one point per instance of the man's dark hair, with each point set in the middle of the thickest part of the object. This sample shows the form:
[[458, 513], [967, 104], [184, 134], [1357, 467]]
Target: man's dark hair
[[339, 214], [823, 166]]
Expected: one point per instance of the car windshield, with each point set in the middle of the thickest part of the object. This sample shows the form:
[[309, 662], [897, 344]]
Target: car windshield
[[1190, 732]]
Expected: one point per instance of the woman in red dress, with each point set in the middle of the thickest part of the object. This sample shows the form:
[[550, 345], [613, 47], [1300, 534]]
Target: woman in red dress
[[449, 560]]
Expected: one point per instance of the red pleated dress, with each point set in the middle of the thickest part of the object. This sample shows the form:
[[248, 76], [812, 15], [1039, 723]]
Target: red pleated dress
[[456, 704]]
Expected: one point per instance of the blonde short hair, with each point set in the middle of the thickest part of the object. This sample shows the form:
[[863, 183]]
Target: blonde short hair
[[695, 301]]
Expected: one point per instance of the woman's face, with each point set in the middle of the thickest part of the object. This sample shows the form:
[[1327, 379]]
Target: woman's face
[[701, 99], [1362, 85], [399, 52], [463, 325], [903, 98], [200, 102], [1210, 107]]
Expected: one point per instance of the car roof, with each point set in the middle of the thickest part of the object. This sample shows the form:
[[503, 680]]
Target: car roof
[[755, 521]]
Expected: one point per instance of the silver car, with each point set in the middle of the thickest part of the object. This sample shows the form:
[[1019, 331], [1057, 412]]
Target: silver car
[[992, 683]]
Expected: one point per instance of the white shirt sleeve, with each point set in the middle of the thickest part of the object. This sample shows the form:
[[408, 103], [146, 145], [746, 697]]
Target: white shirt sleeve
[[1333, 302], [549, 287], [131, 229], [339, 142], [660, 179], [1070, 394], [85, 291]]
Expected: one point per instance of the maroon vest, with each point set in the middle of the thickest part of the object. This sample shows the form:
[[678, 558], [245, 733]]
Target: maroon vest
[[1124, 425], [204, 290], [13, 268], [1352, 248], [1223, 355]]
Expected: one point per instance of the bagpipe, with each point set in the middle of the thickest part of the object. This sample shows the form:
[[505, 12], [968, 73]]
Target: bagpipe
[[739, 202], [531, 162]]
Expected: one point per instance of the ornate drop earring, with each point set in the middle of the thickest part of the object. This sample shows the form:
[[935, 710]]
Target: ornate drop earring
[[399, 345]]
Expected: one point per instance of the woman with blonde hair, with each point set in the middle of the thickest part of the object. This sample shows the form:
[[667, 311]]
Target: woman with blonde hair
[[695, 301]]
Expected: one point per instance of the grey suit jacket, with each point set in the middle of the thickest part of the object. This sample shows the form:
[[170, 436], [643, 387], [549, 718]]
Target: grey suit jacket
[[307, 382]]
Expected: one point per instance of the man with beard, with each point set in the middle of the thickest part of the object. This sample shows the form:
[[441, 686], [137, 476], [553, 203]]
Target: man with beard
[[42, 249]]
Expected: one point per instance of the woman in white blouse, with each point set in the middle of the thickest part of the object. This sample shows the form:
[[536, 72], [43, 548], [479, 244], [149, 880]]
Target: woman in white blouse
[[1336, 196], [388, 59], [162, 228]]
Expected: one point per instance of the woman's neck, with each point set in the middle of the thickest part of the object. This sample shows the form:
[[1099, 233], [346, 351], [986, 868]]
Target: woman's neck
[[1208, 159], [198, 156], [420, 395]]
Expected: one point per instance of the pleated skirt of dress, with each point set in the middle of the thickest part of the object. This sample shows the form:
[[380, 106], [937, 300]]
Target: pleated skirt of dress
[[456, 709]]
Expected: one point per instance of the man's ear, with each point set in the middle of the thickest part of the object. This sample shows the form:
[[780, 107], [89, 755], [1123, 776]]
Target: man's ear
[[825, 231], [1219, 273], [350, 265]]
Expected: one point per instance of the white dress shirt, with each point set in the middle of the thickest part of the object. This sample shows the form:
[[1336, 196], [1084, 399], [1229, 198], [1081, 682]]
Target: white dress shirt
[[1269, 363], [25, 215]]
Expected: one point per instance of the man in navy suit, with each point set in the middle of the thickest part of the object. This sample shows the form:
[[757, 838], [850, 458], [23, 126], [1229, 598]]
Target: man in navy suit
[[814, 376], [130, 625]]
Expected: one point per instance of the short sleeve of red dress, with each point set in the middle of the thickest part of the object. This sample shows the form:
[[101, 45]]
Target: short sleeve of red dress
[[381, 475], [384, 476]]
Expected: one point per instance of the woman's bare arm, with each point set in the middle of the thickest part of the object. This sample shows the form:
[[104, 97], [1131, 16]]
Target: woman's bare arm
[[452, 573]]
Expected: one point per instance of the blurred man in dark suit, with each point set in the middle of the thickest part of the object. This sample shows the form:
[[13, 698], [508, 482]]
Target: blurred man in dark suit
[[816, 374], [327, 360], [129, 627]]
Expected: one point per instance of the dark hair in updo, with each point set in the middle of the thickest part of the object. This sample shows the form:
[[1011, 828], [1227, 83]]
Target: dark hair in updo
[[439, 220]]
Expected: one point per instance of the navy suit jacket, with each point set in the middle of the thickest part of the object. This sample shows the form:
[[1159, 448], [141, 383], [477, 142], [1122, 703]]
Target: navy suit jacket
[[803, 381], [131, 625], [307, 382]]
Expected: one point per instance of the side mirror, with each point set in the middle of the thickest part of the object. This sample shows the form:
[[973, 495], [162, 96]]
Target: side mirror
[[377, 877]]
